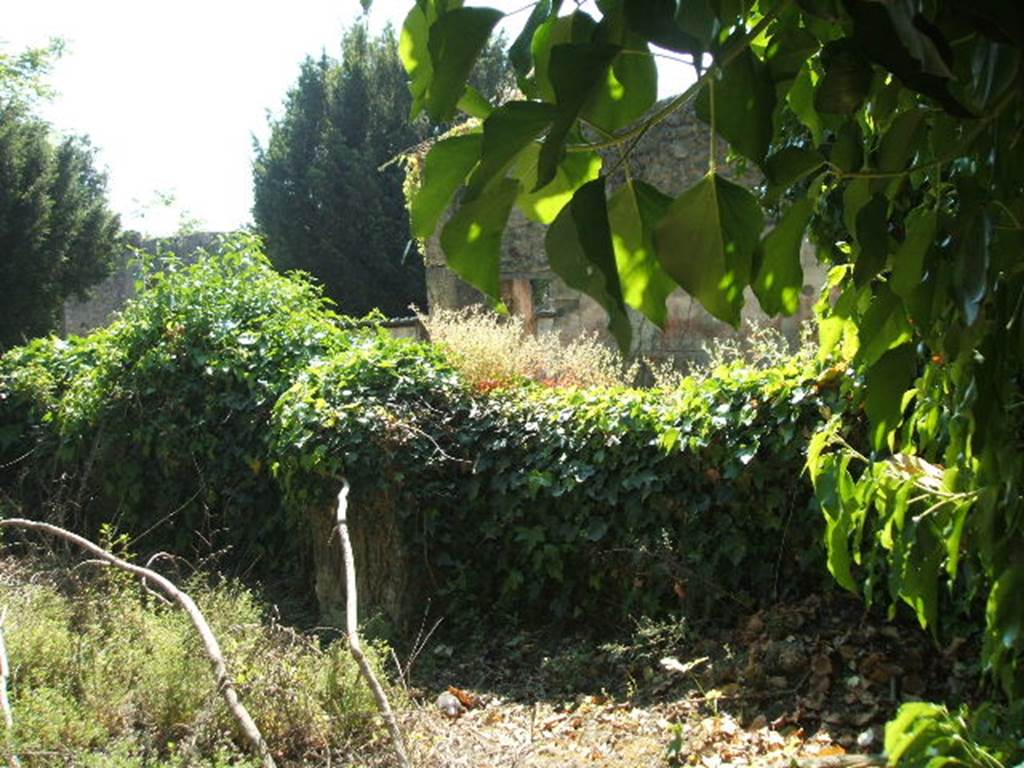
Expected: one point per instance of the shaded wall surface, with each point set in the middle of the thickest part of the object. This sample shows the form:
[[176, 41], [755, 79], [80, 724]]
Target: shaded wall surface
[[673, 156]]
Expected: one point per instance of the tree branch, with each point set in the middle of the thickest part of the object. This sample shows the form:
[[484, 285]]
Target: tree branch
[[352, 629], [225, 686]]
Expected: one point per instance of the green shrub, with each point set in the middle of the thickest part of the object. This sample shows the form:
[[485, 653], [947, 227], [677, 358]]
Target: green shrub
[[101, 669], [159, 420]]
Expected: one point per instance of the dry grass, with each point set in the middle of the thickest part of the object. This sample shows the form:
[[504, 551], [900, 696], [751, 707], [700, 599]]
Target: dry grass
[[491, 350]]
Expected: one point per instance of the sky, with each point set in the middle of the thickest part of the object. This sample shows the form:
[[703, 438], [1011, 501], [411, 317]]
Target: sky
[[172, 94]]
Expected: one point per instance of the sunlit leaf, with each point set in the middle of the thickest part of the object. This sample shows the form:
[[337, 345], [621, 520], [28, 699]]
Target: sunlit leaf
[[507, 132], [780, 277], [579, 248], [471, 239], [633, 213], [885, 383], [706, 243], [455, 41], [744, 101], [444, 170], [543, 205]]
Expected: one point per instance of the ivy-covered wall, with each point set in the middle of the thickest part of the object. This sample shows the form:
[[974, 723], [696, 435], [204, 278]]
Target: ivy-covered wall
[[222, 410]]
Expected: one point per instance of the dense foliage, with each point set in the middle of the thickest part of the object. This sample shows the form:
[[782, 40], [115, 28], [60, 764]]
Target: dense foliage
[[321, 201], [225, 405], [57, 235], [161, 418], [888, 131]]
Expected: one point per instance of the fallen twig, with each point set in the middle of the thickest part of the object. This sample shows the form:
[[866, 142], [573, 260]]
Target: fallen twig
[[225, 686], [352, 630]]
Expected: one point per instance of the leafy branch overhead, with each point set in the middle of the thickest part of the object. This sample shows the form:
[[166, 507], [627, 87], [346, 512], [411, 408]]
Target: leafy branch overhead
[[889, 135]]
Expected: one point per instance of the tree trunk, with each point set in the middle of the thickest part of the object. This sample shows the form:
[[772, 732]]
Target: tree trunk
[[390, 581]]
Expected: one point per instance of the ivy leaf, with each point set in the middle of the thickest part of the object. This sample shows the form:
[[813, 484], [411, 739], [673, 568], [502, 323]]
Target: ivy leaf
[[744, 102], [519, 51], [576, 71], [630, 89], [444, 171], [684, 26], [873, 239], [706, 243], [885, 383], [908, 261], [455, 41], [544, 204], [633, 213], [779, 275], [883, 327], [847, 78], [579, 248], [471, 239], [507, 131]]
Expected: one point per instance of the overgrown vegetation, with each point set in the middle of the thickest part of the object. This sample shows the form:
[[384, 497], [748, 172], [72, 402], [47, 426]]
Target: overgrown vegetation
[[889, 132], [104, 674], [491, 351]]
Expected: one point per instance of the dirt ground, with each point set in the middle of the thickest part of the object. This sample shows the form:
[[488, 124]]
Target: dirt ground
[[807, 684]]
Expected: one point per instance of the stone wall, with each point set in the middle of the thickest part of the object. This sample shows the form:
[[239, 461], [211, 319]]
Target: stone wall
[[672, 156]]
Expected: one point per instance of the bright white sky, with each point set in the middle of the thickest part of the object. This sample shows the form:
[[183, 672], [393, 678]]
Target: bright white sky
[[172, 93]]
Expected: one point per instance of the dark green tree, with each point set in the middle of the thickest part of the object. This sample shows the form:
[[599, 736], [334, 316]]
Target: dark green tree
[[57, 235], [319, 199]]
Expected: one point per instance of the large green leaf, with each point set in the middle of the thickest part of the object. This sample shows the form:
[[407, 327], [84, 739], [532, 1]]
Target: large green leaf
[[780, 277], [685, 26], [507, 132], [892, 35], [885, 383], [744, 102], [971, 266], [787, 52], [884, 326], [633, 213], [908, 261], [543, 205], [576, 71], [847, 78], [800, 100], [578, 27], [414, 52], [706, 243], [629, 91], [519, 52], [471, 239], [579, 248], [900, 141], [872, 239], [455, 41], [444, 171], [790, 164]]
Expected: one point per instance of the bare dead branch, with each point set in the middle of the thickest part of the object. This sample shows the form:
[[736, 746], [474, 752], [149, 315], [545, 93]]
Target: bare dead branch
[[352, 630], [225, 686]]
